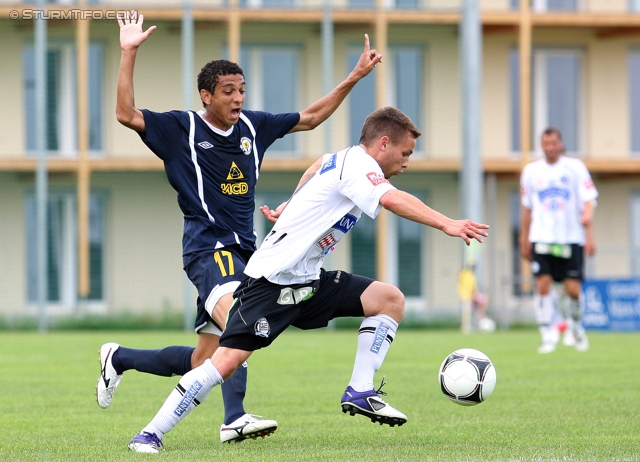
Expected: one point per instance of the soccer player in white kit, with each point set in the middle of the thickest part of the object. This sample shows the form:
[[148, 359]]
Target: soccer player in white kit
[[558, 202], [285, 283]]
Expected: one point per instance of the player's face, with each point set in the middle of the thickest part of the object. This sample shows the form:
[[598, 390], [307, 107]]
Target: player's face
[[552, 147], [225, 104], [395, 158]]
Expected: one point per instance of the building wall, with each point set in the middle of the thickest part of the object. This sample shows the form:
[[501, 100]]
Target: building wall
[[143, 264], [12, 115], [12, 245], [144, 242]]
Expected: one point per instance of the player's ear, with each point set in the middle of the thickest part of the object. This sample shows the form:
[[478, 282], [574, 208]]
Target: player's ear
[[206, 96], [383, 142]]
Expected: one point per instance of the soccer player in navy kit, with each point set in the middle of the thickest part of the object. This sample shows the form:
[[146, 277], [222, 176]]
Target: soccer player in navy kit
[[286, 285], [212, 158]]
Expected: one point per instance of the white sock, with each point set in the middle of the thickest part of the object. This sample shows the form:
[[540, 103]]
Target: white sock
[[191, 390], [374, 339], [544, 310], [575, 309]]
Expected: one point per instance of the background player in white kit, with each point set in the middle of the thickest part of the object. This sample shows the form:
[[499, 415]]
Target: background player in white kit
[[285, 284], [558, 202]]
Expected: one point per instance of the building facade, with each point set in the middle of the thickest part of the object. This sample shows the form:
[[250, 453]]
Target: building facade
[[114, 228]]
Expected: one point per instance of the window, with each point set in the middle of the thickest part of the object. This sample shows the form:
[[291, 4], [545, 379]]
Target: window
[[362, 4], [557, 90], [514, 88], [361, 99], [272, 86], [406, 76], [267, 3], [363, 247], [634, 100], [635, 233], [410, 261], [405, 252], [402, 4], [405, 72], [555, 5], [95, 96], [61, 111], [522, 281], [62, 252]]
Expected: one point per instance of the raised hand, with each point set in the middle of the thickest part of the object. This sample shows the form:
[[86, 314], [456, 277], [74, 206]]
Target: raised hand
[[131, 34], [368, 60]]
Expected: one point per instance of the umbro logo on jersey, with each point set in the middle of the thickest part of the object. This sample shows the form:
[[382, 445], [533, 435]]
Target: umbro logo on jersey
[[205, 145]]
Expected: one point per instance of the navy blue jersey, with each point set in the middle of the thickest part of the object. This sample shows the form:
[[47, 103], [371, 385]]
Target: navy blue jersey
[[214, 172]]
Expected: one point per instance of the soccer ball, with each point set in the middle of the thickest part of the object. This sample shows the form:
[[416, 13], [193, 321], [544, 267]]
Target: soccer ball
[[486, 325], [467, 377]]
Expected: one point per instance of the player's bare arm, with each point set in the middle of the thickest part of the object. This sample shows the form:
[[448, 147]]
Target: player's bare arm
[[586, 218], [320, 111], [525, 223], [272, 215], [410, 207], [131, 37]]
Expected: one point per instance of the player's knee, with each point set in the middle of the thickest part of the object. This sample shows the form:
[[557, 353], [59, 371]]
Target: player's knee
[[394, 303], [200, 355]]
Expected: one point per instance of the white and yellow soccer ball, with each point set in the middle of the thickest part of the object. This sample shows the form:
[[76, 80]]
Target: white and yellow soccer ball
[[467, 377]]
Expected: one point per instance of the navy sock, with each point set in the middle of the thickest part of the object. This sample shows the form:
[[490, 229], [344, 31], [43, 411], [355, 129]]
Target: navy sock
[[233, 391], [169, 361]]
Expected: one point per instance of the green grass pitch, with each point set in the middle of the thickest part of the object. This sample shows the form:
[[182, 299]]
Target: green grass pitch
[[566, 406]]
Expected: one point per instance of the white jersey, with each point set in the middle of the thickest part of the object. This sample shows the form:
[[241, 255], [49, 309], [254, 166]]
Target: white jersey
[[318, 215], [556, 194]]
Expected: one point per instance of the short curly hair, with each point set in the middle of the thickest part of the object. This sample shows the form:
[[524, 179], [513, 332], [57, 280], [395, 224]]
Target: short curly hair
[[211, 72]]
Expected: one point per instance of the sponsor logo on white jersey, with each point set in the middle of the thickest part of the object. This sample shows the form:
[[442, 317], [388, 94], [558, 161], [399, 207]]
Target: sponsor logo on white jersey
[[376, 178], [327, 242]]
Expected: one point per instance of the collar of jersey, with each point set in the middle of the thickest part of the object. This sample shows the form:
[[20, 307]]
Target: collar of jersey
[[216, 130]]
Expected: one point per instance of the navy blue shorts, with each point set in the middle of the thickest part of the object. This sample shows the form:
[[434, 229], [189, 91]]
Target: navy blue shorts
[[560, 262], [215, 274], [263, 310]]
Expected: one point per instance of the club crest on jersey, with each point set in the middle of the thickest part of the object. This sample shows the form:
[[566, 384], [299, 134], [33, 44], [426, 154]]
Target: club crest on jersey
[[245, 145], [262, 328], [234, 172], [205, 145], [376, 178]]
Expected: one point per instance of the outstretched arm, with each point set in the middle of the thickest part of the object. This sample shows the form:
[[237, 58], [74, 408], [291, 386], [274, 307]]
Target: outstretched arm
[[320, 111], [131, 37], [410, 207]]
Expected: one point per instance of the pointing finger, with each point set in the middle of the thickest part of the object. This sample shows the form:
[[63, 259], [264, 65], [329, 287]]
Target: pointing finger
[[366, 43]]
